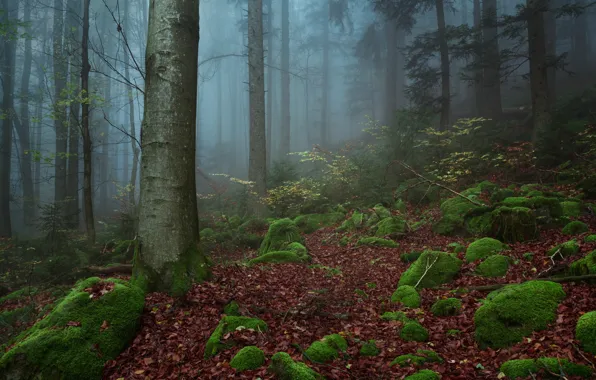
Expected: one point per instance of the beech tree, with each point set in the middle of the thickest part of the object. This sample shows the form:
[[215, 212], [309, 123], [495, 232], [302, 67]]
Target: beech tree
[[168, 257]]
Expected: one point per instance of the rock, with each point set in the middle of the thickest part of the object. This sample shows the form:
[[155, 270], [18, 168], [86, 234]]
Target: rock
[[285, 368], [513, 224], [523, 368], [281, 233], [394, 316], [248, 358], [590, 239], [92, 325], [586, 265], [482, 248], [454, 211], [227, 325], [443, 268], [515, 311], [571, 208], [327, 349], [575, 228], [413, 331], [377, 242], [392, 226], [585, 332], [446, 307], [425, 374], [568, 248], [422, 357], [407, 295], [493, 266], [279, 257]]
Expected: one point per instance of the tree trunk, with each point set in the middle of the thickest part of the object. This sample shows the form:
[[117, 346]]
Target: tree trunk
[[8, 71], [445, 82], [285, 78], [87, 148], [492, 76], [550, 27], [104, 143], [257, 158], [325, 80], [581, 48], [391, 78], [479, 60], [269, 112], [60, 73], [39, 114], [168, 257]]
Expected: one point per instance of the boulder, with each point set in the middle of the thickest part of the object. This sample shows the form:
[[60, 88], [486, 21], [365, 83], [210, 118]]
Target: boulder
[[435, 268]]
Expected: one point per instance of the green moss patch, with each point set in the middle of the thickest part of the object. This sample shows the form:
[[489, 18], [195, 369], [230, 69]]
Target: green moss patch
[[253, 225], [369, 349], [394, 316], [585, 332], [377, 242], [232, 309], [586, 265], [575, 228], [327, 349], [410, 257], [443, 268], [422, 357], [248, 358], [391, 226], [412, 331], [590, 239], [406, 295], [446, 307], [524, 368], [311, 222], [18, 294], [571, 208], [568, 248], [493, 266], [425, 374], [483, 248], [454, 211], [513, 224], [281, 233], [295, 253], [285, 368], [90, 326], [515, 311], [227, 325]]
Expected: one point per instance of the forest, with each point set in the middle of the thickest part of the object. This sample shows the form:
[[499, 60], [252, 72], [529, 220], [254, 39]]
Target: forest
[[322, 189]]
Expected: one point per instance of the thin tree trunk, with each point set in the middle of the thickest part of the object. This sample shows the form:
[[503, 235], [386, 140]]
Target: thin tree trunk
[[325, 82], [60, 73], [391, 73], [285, 78], [492, 76], [581, 48], [168, 257], [550, 26], [257, 158], [87, 147], [39, 115], [104, 140], [269, 112], [479, 60], [445, 80]]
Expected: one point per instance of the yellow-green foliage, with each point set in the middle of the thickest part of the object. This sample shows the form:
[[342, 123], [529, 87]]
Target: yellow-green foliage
[[311, 222], [446, 307], [425, 374], [377, 242], [229, 324], [493, 266], [524, 368], [391, 226], [291, 198], [575, 228], [585, 332], [442, 268], [413, 331], [407, 295], [327, 349], [564, 249], [285, 368], [515, 311], [281, 233], [248, 358], [369, 349], [483, 248], [65, 344], [421, 357], [586, 265]]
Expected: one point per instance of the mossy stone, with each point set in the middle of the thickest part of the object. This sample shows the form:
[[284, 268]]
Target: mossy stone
[[227, 325], [590, 239], [571, 208], [454, 211], [406, 295], [391, 226], [327, 349], [575, 228], [585, 331], [482, 248], [281, 233], [524, 368], [443, 268], [446, 307], [513, 224], [410, 256], [568, 248], [248, 358], [425, 374], [232, 309], [413, 331], [394, 316], [377, 242], [493, 266], [369, 349], [585, 265], [312, 222], [285, 368]]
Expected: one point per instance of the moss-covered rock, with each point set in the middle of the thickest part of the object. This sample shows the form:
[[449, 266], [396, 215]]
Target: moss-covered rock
[[377, 242], [279, 257], [311, 222], [327, 349], [422, 357], [413, 331], [443, 268], [515, 311], [253, 225], [493, 266], [456, 247], [546, 367], [483, 248], [400, 206], [355, 222], [454, 211], [406, 295], [207, 234], [425, 374], [590, 239], [569, 248], [571, 208], [410, 257], [391, 226], [585, 332], [395, 316], [543, 206], [281, 233], [446, 307], [575, 228], [248, 358], [381, 211], [513, 224], [232, 309], [369, 349], [585, 265], [90, 326], [27, 291], [227, 325], [285, 368]]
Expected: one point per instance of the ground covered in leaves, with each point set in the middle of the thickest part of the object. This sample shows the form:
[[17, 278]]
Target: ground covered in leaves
[[345, 290]]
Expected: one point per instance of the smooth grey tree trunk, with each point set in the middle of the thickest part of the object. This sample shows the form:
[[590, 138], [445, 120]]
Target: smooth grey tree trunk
[[492, 76], [478, 72], [269, 111], [325, 78], [445, 80], [60, 73], [391, 71], [285, 79], [168, 257]]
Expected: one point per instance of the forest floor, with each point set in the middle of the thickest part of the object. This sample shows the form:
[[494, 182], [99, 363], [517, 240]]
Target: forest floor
[[344, 290]]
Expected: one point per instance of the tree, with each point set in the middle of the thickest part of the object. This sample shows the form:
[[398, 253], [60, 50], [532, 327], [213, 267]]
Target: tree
[[257, 157], [444, 54], [168, 257], [491, 76], [60, 72], [285, 77]]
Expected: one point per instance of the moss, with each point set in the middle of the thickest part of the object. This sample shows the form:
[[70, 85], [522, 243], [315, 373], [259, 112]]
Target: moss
[[344, 241], [400, 206], [298, 249], [446, 307], [482, 248], [424, 374], [515, 311], [393, 226], [285, 368], [232, 309], [311, 222], [571, 208], [79, 335], [585, 331], [253, 225], [394, 316], [413, 331], [456, 247], [444, 267], [21, 293], [493, 266], [575, 228], [410, 256], [568, 248], [514, 224], [544, 205], [355, 222], [377, 242], [381, 211], [227, 325], [248, 358], [585, 265], [528, 256], [207, 234], [327, 349], [407, 295], [369, 349], [278, 257], [421, 357], [590, 239], [498, 195], [524, 368], [281, 233], [454, 211]]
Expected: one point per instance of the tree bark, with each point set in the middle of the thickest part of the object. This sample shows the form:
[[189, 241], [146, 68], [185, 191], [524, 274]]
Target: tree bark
[[269, 111], [325, 80], [391, 69], [479, 60], [491, 60], [445, 80], [285, 79], [550, 28], [168, 257], [60, 73], [257, 159]]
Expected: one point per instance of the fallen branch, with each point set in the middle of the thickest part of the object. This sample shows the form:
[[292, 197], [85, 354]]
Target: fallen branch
[[585, 277], [428, 266]]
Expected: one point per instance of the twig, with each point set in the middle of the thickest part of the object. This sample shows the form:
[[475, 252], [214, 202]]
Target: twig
[[426, 270], [583, 356]]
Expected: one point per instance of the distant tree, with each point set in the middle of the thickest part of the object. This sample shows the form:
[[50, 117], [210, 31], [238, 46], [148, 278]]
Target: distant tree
[[285, 78], [491, 80]]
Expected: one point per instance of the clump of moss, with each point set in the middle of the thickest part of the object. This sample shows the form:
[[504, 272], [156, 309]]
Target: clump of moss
[[528, 256], [377, 242], [407, 295], [515, 311], [443, 268], [381, 211], [400, 206], [523, 368], [568, 248], [422, 357], [311, 222], [285, 368], [454, 211], [369, 348], [571, 208], [97, 313], [482, 248], [281, 233], [575, 228], [456, 247], [493, 266], [232, 309], [585, 331], [394, 316], [391, 226], [513, 224], [355, 222], [413, 331], [248, 358], [327, 349], [446, 307], [586, 265], [278, 257], [253, 225], [227, 325], [425, 374], [27, 291], [410, 256], [590, 239]]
